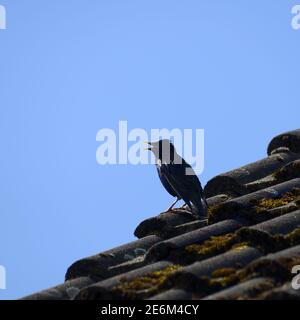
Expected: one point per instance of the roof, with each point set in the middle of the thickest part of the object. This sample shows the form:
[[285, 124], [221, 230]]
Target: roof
[[246, 249]]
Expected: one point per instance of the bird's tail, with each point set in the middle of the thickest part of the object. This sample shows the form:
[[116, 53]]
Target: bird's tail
[[200, 207]]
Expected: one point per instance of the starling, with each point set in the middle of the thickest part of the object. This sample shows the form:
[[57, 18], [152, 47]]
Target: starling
[[172, 170]]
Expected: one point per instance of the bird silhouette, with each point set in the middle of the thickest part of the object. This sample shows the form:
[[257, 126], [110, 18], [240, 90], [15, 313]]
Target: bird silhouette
[[172, 171]]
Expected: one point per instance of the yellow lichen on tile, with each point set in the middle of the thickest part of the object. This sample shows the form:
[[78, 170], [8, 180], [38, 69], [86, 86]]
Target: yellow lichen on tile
[[212, 246], [240, 246], [293, 237], [266, 204], [222, 278], [150, 282], [223, 272]]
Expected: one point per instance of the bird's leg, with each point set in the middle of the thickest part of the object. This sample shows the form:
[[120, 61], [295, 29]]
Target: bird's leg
[[173, 204], [188, 203]]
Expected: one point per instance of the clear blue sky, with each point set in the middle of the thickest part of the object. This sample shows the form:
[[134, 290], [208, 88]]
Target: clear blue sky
[[69, 68]]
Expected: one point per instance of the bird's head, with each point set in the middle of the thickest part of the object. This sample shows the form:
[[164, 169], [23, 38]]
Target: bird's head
[[163, 149]]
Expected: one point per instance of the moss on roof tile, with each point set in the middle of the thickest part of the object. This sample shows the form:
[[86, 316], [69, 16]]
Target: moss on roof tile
[[256, 210], [241, 239], [212, 246], [149, 284], [267, 204]]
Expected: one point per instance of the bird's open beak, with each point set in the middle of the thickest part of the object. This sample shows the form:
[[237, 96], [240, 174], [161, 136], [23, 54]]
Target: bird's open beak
[[150, 145]]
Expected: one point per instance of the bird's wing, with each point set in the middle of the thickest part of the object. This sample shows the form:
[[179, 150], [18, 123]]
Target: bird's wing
[[173, 182], [188, 187], [180, 180], [162, 173]]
